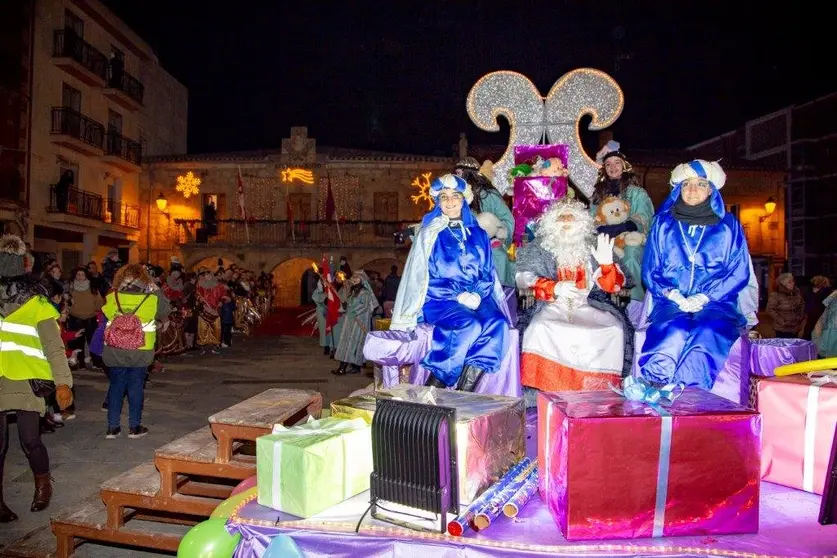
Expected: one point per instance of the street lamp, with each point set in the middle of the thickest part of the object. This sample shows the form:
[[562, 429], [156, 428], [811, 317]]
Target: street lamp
[[162, 202], [769, 208]]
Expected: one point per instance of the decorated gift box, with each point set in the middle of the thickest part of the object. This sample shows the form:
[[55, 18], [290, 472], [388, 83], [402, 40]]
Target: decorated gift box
[[490, 434], [540, 177], [799, 414], [615, 468], [306, 469]]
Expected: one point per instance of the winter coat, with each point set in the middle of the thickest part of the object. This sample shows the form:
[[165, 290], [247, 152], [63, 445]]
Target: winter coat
[[16, 395], [787, 308]]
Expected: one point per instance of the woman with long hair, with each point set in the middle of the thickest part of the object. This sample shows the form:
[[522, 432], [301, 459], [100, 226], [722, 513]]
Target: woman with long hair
[[488, 199], [617, 179]]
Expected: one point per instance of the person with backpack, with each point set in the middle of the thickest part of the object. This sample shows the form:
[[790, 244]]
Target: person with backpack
[[132, 309]]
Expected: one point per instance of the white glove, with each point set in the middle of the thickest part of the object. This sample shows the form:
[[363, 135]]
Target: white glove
[[603, 252], [469, 300], [677, 298], [696, 303], [565, 290]]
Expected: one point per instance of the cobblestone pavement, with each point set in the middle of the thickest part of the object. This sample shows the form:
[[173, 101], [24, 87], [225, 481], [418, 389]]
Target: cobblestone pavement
[[177, 401]]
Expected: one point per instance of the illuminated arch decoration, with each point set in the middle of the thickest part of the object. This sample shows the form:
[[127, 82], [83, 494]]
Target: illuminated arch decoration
[[536, 119], [422, 184], [188, 184], [298, 175]]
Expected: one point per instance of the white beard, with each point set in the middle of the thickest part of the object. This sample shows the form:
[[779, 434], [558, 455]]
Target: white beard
[[571, 249]]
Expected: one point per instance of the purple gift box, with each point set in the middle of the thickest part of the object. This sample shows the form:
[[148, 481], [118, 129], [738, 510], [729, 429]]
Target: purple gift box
[[533, 194]]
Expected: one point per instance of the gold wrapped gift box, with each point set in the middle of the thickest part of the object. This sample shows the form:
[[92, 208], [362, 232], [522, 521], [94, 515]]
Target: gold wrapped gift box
[[382, 324], [490, 430]]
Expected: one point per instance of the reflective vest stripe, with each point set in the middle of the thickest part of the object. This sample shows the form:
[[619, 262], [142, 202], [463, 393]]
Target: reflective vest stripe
[[7, 346], [21, 351], [18, 328]]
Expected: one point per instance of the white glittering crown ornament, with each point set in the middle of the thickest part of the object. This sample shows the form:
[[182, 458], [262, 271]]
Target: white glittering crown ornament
[[554, 119]]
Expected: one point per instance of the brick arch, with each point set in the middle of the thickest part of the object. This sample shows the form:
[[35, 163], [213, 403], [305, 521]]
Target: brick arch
[[287, 279]]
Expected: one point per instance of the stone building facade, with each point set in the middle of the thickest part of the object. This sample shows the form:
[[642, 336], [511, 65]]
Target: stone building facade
[[285, 198], [100, 103]]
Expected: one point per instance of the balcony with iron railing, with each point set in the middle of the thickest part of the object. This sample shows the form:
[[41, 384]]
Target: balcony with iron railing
[[79, 58], [80, 203], [262, 233], [76, 131], [122, 214], [124, 89], [121, 152]]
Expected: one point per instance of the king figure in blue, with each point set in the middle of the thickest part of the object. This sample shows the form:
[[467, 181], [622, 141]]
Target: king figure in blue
[[449, 281], [696, 264]]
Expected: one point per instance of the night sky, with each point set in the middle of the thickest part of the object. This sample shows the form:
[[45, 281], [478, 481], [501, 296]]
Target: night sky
[[395, 75]]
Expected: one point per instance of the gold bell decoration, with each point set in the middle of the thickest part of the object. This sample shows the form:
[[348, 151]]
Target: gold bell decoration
[[512, 252]]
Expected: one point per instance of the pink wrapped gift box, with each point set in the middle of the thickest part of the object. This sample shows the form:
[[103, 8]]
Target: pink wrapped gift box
[[533, 194], [799, 418], [612, 468]]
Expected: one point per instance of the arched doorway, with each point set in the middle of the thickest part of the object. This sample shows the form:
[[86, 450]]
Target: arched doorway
[[211, 263], [287, 278]]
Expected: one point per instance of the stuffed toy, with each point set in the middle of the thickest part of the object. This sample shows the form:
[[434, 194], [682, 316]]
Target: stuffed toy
[[497, 232], [540, 167], [611, 213]]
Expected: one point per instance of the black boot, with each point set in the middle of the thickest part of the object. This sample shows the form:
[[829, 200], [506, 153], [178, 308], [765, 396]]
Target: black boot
[[341, 370], [433, 381], [352, 369], [326, 351], [469, 379], [6, 515]]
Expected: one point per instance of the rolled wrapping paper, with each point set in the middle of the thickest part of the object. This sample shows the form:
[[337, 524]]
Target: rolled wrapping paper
[[494, 506], [462, 523], [522, 496]]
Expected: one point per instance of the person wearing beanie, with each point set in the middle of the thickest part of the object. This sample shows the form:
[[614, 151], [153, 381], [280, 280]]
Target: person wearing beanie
[[696, 266], [32, 357]]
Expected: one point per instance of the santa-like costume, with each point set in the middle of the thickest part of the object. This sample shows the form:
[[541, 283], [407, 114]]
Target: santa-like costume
[[576, 340], [208, 303]]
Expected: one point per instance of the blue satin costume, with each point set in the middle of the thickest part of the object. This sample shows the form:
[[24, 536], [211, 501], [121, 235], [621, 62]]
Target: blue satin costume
[[462, 336], [684, 347]]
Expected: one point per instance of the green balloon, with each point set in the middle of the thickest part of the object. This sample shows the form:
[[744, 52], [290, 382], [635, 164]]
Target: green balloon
[[208, 539], [226, 508]]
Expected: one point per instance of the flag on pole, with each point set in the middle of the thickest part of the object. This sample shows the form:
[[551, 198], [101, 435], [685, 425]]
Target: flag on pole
[[332, 298], [329, 207], [290, 211], [241, 208]]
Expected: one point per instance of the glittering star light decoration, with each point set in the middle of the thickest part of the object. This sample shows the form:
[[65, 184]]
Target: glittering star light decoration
[[302, 175], [422, 184], [188, 184], [553, 118]]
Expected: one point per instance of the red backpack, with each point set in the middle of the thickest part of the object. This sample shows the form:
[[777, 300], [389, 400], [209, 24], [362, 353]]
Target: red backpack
[[125, 329]]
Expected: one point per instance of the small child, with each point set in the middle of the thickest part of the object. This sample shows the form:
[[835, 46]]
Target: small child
[[227, 320]]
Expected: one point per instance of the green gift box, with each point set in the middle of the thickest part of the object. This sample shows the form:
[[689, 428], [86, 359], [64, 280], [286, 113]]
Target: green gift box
[[306, 469]]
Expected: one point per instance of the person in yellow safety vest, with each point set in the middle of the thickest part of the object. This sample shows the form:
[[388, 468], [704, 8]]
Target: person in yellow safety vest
[[31, 354], [129, 351]]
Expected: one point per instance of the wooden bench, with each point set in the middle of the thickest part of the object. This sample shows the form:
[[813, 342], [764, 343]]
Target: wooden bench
[[139, 489], [256, 416], [194, 455], [89, 520]]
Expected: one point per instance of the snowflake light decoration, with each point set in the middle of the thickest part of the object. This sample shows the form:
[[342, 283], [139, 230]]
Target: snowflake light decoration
[[422, 184], [188, 185]]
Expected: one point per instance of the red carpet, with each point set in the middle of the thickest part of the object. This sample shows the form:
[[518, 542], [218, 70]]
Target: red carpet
[[287, 321]]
